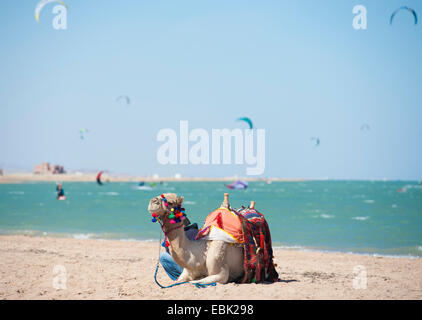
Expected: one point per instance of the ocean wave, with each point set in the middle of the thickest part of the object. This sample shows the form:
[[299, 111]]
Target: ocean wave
[[360, 218], [144, 188], [294, 247], [83, 236], [17, 192], [111, 193], [412, 186], [368, 201], [77, 236], [324, 216], [380, 255], [189, 202]]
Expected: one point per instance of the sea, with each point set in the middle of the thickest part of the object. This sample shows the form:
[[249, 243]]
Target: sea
[[380, 218]]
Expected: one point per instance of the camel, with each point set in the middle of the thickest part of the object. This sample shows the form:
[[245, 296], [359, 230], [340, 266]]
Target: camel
[[203, 261]]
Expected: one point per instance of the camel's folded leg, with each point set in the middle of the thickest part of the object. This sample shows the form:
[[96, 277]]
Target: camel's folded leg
[[221, 277], [185, 276], [217, 267]]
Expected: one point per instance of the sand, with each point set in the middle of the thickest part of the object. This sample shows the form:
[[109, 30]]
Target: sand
[[67, 268]]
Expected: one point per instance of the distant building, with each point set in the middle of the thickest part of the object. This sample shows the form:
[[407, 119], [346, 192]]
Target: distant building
[[46, 168], [1, 172]]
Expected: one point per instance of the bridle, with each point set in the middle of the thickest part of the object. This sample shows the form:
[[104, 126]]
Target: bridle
[[175, 215]]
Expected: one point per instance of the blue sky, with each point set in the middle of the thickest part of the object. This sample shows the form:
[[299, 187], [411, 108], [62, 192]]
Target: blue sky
[[297, 68]]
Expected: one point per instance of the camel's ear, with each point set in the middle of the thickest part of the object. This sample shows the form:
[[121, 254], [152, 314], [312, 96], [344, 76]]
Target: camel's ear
[[180, 200]]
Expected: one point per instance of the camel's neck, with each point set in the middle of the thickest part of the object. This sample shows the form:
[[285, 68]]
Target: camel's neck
[[180, 247]]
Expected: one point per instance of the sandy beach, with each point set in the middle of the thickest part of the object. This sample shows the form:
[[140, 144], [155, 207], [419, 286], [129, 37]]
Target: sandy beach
[[35, 268]]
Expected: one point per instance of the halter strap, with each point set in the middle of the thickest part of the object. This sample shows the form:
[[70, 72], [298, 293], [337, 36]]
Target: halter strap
[[167, 232]]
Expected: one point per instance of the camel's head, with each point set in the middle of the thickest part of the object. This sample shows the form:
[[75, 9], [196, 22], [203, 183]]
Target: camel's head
[[157, 204]]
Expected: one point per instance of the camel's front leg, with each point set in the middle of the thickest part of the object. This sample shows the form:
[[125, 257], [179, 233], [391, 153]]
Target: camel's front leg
[[217, 268], [220, 277], [185, 276]]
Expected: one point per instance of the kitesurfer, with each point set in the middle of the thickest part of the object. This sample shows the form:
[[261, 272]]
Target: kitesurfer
[[60, 191]]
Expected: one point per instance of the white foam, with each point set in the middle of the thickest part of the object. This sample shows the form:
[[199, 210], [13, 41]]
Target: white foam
[[410, 186], [324, 216], [144, 188], [111, 193], [82, 236], [188, 202], [17, 192], [307, 249], [368, 201], [290, 247], [360, 218]]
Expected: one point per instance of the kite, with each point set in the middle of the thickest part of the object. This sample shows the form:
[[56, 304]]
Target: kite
[[82, 133], [365, 127], [247, 120], [125, 98], [238, 185], [99, 178], [415, 16], [316, 141]]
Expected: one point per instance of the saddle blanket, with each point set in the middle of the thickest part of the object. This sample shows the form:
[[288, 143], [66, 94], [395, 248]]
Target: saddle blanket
[[222, 224]]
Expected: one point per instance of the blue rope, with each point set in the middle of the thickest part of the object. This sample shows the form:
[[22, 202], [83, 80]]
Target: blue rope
[[204, 285], [198, 285]]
